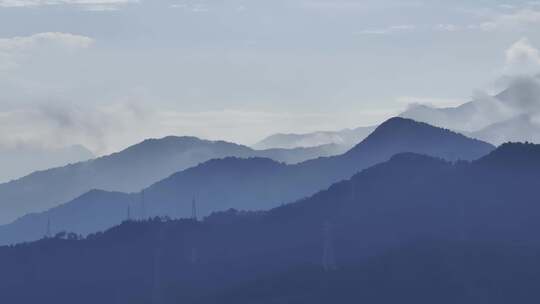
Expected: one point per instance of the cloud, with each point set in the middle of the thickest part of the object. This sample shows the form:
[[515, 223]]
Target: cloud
[[430, 101], [109, 128], [12, 50], [63, 39], [390, 30], [514, 20], [522, 58], [84, 4], [359, 5], [447, 27]]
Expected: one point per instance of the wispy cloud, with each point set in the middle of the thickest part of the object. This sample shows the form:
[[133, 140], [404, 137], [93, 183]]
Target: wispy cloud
[[84, 4], [448, 27], [430, 101], [390, 29], [514, 20], [12, 50], [109, 128], [522, 58], [358, 5], [196, 7]]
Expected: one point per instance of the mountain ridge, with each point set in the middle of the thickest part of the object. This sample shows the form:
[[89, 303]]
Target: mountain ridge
[[131, 169], [389, 222], [258, 184]]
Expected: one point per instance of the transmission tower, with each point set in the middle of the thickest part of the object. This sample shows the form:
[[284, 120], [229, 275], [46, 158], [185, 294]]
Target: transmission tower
[[143, 207], [328, 260], [194, 209], [48, 231], [128, 212]]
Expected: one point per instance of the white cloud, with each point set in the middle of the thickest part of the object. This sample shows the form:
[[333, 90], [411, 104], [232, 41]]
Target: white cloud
[[430, 101], [514, 20], [12, 50], [91, 5], [109, 128], [447, 27], [85, 4], [522, 58], [64, 39], [390, 30], [359, 5]]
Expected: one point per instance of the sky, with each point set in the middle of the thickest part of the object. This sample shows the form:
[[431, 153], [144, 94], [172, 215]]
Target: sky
[[109, 73]]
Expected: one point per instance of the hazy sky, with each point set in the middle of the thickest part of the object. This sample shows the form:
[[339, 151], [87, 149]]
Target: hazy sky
[[108, 73]]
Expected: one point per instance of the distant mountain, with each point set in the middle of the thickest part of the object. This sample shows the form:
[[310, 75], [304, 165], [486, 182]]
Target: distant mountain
[[250, 184], [414, 229], [298, 155], [346, 139], [517, 129], [127, 171], [455, 118], [512, 115], [22, 160]]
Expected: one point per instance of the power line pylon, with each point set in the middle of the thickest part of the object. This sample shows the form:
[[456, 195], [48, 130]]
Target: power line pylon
[[194, 209], [143, 206], [48, 231]]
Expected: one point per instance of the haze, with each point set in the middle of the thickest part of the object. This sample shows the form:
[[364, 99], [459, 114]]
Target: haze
[[108, 74]]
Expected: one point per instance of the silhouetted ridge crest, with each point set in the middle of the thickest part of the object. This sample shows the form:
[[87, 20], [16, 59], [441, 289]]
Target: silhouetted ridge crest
[[232, 163], [407, 135], [171, 142], [404, 128], [513, 153], [415, 157]]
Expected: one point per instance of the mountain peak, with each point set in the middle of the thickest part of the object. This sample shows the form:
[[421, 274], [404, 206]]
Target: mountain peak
[[399, 127], [407, 135], [401, 124]]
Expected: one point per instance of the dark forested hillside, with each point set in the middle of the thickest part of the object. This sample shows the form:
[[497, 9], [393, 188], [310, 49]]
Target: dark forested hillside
[[413, 229]]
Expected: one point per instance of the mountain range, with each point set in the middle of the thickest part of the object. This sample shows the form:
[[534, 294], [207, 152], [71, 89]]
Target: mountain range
[[21, 160], [129, 170], [414, 229], [510, 116], [345, 139], [249, 184]]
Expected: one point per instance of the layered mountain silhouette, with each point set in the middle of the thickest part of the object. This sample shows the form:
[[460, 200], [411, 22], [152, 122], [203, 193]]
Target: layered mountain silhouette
[[512, 115], [129, 170], [413, 229], [20, 160], [518, 129], [345, 139], [249, 184]]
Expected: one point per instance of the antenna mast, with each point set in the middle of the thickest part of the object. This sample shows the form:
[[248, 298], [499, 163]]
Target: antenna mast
[[48, 231], [194, 209], [143, 207]]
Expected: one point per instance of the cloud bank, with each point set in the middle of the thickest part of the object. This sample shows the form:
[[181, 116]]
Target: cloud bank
[[84, 4], [522, 58], [107, 129], [15, 49]]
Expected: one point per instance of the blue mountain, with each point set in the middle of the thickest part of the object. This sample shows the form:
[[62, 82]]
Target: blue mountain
[[129, 170], [250, 184], [414, 229]]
